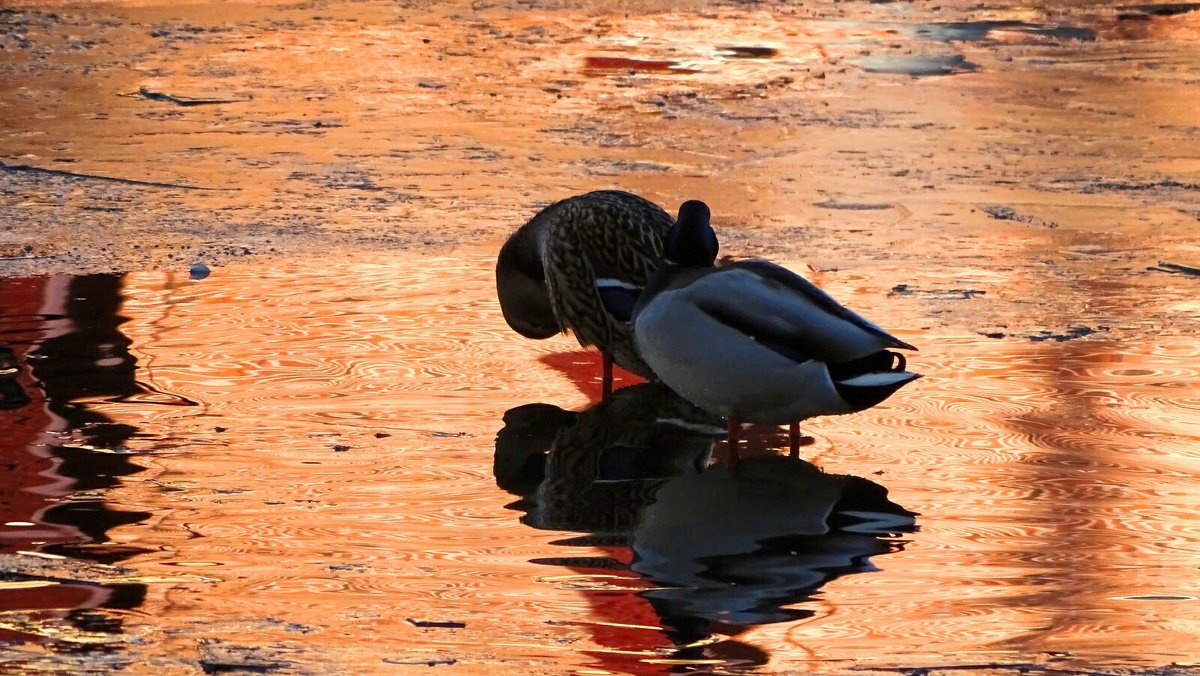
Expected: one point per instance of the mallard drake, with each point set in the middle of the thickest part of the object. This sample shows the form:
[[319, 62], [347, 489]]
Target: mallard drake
[[579, 265], [754, 342]]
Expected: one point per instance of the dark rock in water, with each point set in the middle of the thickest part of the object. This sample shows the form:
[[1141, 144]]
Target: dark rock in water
[[432, 662], [851, 206], [185, 101], [1175, 269], [596, 63], [936, 294], [1165, 9], [440, 624], [198, 271], [748, 52], [1090, 187]]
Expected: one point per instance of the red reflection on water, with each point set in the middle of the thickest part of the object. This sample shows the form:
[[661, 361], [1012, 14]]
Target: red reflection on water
[[628, 64], [583, 369]]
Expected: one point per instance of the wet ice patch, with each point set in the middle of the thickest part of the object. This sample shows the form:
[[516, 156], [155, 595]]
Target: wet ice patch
[[978, 31], [918, 65]]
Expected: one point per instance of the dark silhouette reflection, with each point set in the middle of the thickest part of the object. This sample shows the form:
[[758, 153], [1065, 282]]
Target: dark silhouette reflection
[[63, 352], [723, 550], [12, 395], [592, 471]]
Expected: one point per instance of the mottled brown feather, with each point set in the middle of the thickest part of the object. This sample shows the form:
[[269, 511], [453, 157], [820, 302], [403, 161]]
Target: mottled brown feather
[[604, 234]]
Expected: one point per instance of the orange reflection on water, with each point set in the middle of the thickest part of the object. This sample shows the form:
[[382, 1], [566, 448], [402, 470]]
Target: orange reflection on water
[[301, 461], [366, 125], [334, 481]]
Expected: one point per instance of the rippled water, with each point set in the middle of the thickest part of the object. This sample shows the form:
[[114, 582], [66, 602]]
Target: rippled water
[[298, 468], [339, 465]]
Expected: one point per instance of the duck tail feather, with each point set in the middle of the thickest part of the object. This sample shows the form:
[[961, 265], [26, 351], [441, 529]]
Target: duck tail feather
[[884, 361], [865, 382]]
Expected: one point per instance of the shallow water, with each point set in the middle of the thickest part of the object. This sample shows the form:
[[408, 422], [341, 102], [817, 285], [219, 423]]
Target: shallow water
[[287, 467], [295, 466]]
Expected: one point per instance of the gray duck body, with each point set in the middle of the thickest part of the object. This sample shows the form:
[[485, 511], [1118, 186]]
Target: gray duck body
[[755, 342]]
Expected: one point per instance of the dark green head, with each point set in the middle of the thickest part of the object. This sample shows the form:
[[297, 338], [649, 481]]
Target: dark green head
[[692, 242]]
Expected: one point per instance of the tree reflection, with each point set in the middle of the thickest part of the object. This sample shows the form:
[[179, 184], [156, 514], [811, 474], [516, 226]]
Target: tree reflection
[[64, 351]]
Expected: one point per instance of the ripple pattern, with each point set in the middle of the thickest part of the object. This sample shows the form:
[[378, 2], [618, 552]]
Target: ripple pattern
[[338, 460]]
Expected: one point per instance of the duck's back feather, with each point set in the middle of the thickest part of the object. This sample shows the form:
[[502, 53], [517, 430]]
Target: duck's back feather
[[817, 296], [787, 313]]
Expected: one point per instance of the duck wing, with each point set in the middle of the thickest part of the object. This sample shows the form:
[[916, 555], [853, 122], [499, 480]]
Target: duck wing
[[601, 250], [628, 232], [783, 311], [618, 297]]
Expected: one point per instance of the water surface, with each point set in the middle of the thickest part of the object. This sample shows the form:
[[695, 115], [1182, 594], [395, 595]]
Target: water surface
[[336, 463], [297, 467]]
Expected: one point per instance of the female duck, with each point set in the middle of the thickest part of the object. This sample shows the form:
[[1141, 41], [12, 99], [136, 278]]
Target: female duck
[[579, 265], [754, 342]]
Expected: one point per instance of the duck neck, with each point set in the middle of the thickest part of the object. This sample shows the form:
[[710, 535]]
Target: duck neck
[[661, 278]]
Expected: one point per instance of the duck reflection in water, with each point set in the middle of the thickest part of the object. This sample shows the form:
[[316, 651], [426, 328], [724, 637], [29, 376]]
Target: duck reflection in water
[[723, 550]]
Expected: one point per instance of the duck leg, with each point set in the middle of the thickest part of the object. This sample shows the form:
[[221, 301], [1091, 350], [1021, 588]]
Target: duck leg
[[796, 440], [606, 380], [731, 441]]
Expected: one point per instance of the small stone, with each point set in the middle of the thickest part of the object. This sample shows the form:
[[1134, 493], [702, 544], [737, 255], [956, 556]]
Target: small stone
[[198, 271]]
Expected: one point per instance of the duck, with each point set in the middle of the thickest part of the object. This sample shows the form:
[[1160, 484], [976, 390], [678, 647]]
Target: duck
[[752, 341], [579, 265]]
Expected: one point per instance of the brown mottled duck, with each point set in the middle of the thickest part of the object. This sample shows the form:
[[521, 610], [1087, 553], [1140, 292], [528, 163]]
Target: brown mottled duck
[[579, 265]]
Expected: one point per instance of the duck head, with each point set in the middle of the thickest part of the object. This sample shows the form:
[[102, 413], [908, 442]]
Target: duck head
[[692, 242], [521, 287]]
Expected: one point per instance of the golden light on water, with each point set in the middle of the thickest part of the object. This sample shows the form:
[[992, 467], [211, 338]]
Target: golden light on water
[[297, 454], [1028, 463]]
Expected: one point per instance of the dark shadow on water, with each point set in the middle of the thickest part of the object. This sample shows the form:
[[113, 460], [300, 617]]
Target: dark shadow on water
[[61, 352], [715, 551]]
